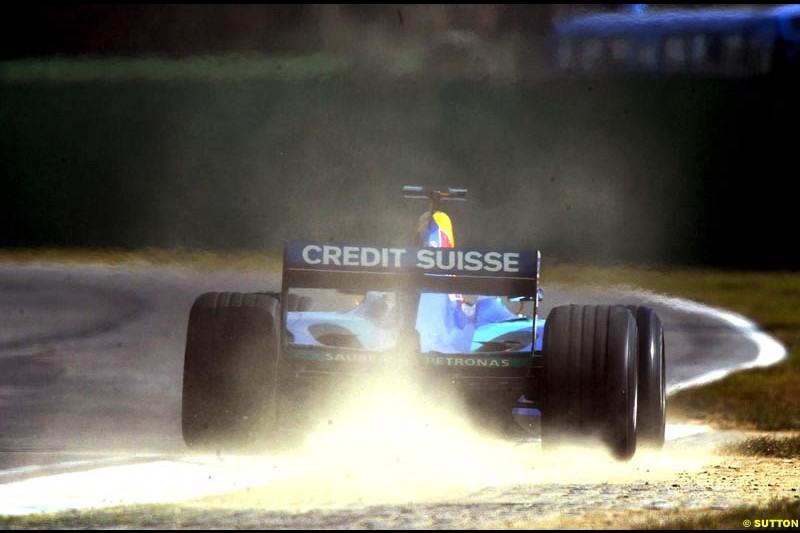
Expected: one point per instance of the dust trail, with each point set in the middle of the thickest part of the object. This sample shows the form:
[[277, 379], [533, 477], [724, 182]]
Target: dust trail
[[391, 444]]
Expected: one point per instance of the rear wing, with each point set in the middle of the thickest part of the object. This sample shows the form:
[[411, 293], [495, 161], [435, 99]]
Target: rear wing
[[435, 195], [442, 193], [411, 269]]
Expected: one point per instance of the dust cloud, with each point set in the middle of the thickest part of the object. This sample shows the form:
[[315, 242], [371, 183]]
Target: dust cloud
[[390, 443]]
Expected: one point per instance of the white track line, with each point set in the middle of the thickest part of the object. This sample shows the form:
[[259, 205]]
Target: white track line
[[682, 431], [770, 351], [30, 469], [154, 482]]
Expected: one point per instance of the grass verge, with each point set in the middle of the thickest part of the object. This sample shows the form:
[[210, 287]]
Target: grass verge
[[136, 517], [246, 260], [769, 446], [206, 68]]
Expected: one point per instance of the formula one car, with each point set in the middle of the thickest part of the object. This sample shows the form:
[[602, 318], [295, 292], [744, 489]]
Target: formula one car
[[255, 362]]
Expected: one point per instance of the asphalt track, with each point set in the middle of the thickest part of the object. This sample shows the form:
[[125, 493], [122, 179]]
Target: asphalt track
[[91, 360]]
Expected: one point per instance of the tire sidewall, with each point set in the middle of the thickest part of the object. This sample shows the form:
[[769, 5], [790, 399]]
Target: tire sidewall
[[652, 377]]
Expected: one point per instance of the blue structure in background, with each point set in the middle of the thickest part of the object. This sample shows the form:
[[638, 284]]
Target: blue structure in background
[[732, 42]]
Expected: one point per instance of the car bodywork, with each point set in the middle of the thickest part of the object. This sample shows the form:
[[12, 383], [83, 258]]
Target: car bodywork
[[462, 322], [468, 316]]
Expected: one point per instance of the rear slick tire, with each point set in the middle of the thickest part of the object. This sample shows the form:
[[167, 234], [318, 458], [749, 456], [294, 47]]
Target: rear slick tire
[[591, 377], [230, 369]]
